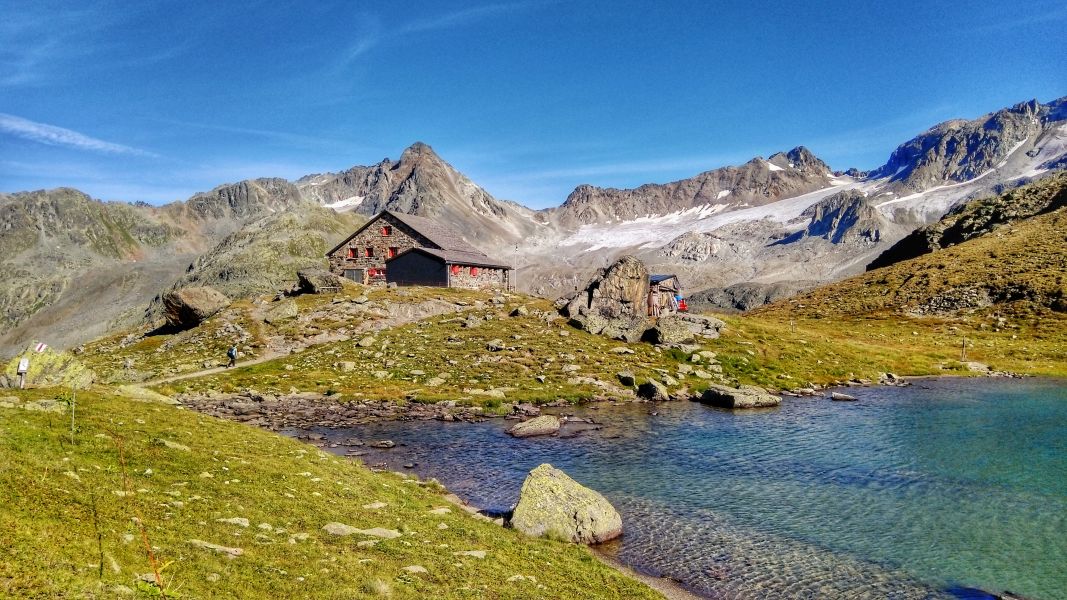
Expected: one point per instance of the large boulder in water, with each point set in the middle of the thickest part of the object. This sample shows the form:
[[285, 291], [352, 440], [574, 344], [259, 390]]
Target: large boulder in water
[[318, 281], [551, 504], [613, 303], [745, 396], [543, 425], [188, 307]]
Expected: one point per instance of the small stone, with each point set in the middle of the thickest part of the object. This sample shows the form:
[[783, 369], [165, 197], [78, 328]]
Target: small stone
[[470, 553], [415, 569], [366, 342], [375, 505], [231, 552], [626, 378], [444, 510], [175, 445], [622, 350], [385, 444], [238, 521]]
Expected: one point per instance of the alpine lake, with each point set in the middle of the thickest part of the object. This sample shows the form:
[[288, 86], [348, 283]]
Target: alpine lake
[[947, 488]]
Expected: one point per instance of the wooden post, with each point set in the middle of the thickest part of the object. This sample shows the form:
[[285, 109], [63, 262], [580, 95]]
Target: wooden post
[[963, 350]]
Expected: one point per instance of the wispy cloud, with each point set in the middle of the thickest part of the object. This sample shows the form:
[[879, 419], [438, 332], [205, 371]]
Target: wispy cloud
[[373, 34], [459, 18], [51, 135], [1034, 16]]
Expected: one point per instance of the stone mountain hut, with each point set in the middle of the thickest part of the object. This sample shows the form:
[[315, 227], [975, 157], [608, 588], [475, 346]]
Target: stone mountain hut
[[408, 250]]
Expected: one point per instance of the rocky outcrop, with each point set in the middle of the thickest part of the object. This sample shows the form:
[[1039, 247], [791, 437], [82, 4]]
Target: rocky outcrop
[[683, 328], [318, 281], [553, 505], [281, 310], [746, 296], [745, 396], [188, 307], [613, 303], [960, 150], [847, 217], [543, 425]]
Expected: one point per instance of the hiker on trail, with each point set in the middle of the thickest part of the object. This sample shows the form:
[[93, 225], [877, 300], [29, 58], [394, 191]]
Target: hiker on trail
[[232, 354]]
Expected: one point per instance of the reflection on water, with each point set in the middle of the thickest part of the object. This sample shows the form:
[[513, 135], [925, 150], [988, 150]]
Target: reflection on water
[[947, 484]]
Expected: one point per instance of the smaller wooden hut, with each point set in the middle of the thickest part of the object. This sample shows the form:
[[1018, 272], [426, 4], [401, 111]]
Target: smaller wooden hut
[[664, 292]]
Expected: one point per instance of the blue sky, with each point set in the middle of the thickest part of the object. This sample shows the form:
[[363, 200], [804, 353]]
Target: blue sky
[[155, 101]]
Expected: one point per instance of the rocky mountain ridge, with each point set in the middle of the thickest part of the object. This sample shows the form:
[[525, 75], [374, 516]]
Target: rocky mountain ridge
[[786, 218]]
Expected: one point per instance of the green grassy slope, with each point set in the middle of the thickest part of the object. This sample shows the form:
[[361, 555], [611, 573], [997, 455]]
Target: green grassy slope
[[75, 518]]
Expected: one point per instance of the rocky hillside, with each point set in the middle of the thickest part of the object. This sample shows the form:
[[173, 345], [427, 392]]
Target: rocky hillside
[[958, 150], [978, 218], [1018, 266], [262, 256], [76, 268]]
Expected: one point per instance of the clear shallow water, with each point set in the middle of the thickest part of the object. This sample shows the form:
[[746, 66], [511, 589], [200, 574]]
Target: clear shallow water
[[913, 492]]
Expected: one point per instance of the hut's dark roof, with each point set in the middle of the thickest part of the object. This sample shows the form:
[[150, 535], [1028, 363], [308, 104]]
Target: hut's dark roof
[[660, 278], [457, 257], [438, 235], [443, 237]]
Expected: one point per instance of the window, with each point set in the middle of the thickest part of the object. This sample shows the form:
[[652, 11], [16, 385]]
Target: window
[[474, 271], [352, 253], [393, 251], [372, 272], [368, 252], [387, 231], [455, 269]]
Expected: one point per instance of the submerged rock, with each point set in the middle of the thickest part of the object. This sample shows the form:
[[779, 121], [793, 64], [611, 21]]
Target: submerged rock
[[654, 391], [551, 504], [746, 396], [838, 396], [543, 425]]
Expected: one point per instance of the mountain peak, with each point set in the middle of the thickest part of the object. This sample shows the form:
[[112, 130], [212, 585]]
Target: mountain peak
[[417, 151], [800, 158]]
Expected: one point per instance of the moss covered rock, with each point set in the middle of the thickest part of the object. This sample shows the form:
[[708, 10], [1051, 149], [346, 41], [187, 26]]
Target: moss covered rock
[[551, 504], [49, 368]]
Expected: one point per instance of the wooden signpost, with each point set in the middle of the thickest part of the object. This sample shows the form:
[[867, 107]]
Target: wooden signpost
[[24, 366]]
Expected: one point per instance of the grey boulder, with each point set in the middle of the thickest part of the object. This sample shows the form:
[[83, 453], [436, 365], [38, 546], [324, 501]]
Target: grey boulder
[[188, 307], [553, 505], [745, 396]]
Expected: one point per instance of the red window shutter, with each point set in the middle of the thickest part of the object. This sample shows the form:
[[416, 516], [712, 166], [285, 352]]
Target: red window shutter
[[369, 252], [372, 272], [455, 269], [474, 271], [392, 252], [351, 253]]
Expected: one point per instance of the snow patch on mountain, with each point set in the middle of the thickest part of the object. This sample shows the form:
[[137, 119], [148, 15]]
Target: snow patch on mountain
[[350, 202]]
